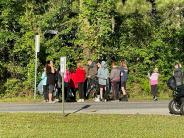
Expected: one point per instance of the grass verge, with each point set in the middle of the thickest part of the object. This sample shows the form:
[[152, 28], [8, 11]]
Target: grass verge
[[38, 99], [53, 125], [27, 99]]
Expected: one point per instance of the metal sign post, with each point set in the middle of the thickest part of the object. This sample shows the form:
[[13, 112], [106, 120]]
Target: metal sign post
[[62, 71], [37, 49]]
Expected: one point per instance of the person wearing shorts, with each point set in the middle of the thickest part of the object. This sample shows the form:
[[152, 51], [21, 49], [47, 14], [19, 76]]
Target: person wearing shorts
[[50, 70], [103, 75]]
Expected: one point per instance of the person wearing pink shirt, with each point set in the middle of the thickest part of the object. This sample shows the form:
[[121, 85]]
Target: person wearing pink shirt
[[66, 83], [154, 83]]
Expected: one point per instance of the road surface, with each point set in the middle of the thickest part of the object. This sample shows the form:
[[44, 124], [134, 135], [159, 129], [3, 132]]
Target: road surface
[[114, 107]]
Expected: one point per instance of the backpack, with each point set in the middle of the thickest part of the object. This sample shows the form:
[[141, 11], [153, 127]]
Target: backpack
[[178, 75], [40, 87], [171, 83]]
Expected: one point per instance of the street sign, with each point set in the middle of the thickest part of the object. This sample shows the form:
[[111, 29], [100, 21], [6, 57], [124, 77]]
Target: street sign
[[62, 64], [37, 43]]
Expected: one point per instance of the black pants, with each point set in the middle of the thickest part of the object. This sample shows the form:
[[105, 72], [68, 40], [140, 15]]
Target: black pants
[[45, 92], [58, 94], [74, 92], [81, 90], [154, 90]]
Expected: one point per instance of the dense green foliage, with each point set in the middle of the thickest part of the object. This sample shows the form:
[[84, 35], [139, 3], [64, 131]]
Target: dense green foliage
[[145, 33]]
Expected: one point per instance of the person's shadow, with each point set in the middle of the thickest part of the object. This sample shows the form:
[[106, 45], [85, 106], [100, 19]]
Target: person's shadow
[[82, 108]]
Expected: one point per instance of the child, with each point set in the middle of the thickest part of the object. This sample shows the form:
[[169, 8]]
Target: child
[[154, 82]]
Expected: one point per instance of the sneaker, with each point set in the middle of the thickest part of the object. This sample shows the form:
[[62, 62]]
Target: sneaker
[[56, 100], [97, 100], [80, 100], [51, 102], [155, 99]]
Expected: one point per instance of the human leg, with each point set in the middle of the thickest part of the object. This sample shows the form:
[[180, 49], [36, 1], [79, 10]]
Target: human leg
[[81, 90], [113, 90], [154, 91], [123, 88], [117, 90], [45, 93], [50, 93]]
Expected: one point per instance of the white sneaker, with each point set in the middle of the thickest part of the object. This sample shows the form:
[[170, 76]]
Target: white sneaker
[[51, 102], [97, 100], [56, 100], [80, 100]]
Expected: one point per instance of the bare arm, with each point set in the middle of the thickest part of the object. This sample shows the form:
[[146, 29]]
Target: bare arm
[[52, 69]]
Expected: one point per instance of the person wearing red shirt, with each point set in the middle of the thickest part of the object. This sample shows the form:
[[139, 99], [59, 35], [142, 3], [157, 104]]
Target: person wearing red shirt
[[80, 79]]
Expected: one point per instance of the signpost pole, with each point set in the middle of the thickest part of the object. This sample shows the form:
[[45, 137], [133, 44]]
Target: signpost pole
[[62, 71], [37, 49], [35, 75], [63, 94]]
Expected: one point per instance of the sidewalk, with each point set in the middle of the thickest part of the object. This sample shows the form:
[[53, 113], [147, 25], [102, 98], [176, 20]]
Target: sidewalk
[[160, 107]]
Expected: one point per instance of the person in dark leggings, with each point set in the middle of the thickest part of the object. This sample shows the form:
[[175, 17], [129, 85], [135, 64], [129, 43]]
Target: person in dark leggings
[[115, 81], [154, 82], [80, 79], [58, 85]]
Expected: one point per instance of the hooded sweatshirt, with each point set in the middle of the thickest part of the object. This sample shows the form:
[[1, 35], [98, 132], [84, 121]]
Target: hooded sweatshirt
[[91, 70], [103, 74], [115, 74]]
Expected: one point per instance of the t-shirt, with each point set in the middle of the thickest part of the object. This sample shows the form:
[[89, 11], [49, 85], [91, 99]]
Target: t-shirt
[[50, 76], [154, 78], [123, 74], [80, 75]]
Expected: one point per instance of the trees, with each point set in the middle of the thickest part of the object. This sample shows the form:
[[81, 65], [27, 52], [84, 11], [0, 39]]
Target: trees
[[146, 33]]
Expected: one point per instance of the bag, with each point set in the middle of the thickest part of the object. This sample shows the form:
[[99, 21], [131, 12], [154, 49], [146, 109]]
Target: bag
[[40, 88], [171, 83], [178, 75]]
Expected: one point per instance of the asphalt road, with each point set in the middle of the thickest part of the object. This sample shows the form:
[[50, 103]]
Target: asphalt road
[[114, 107]]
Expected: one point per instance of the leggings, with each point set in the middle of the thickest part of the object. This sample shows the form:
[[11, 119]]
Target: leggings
[[115, 90], [81, 90], [154, 90]]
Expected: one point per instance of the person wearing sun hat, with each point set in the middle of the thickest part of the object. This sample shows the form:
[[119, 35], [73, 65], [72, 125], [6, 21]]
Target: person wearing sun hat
[[154, 83]]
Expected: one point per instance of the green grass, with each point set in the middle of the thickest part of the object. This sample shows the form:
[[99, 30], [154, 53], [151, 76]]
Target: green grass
[[28, 99], [47, 125]]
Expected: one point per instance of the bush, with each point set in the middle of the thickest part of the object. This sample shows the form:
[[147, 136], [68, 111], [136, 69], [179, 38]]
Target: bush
[[13, 87]]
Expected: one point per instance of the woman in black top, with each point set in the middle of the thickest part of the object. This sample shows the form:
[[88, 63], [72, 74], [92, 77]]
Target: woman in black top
[[50, 70]]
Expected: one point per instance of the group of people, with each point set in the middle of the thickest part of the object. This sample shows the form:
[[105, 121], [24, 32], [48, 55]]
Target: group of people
[[91, 80], [95, 80]]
